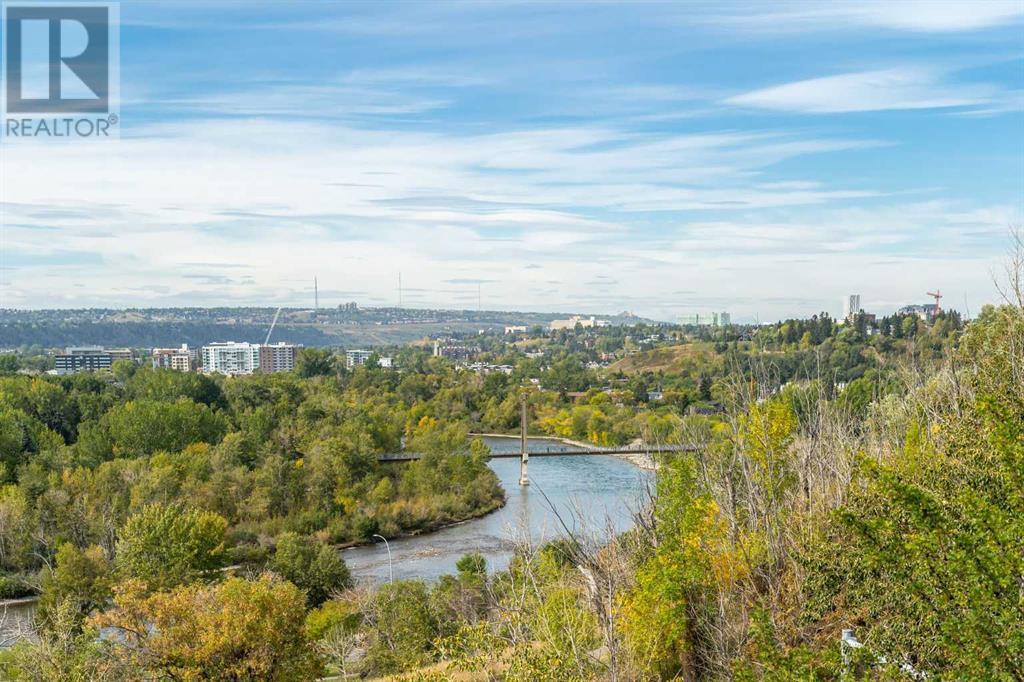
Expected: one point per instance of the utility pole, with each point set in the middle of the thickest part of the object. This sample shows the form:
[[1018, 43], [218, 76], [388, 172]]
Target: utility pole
[[524, 478]]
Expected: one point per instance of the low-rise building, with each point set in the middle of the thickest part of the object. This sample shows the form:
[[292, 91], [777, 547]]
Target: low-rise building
[[925, 311], [357, 358], [86, 359], [448, 348], [516, 329], [488, 368], [180, 359], [585, 322], [121, 354]]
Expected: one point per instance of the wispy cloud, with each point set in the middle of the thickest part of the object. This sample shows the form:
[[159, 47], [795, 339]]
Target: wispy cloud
[[558, 156], [878, 90], [924, 16]]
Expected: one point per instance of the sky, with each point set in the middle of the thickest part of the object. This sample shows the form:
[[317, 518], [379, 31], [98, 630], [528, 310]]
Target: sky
[[763, 159]]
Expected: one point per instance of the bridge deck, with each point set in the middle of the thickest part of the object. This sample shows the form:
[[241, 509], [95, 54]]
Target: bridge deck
[[555, 452]]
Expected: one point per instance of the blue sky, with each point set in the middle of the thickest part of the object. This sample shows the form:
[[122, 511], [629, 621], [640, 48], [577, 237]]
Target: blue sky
[[760, 158]]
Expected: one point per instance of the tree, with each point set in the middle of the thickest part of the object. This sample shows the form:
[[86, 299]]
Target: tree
[[63, 651], [939, 534], [168, 545], [81, 578], [144, 426], [313, 566], [314, 362], [170, 385], [8, 363], [404, 627], [231, 631]]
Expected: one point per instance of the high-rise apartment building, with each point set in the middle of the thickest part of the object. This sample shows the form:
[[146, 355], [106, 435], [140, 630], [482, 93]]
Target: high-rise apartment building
[[278, 357], [230, 357], [851, 306], [233, 358]]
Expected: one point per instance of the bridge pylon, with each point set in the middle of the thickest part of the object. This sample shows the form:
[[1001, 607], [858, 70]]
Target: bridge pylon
[[524, 456]]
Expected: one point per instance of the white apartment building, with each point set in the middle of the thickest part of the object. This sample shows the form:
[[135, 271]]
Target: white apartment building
[[357, 358], [231, 358]]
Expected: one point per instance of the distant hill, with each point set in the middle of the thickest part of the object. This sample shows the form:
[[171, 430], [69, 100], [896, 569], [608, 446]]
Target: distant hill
[[346, 325]]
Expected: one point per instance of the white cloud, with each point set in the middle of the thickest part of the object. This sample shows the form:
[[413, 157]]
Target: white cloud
[[287, 199], [884, 89], [924, 16]]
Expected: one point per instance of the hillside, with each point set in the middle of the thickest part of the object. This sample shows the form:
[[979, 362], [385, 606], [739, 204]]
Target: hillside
[[668, 359]]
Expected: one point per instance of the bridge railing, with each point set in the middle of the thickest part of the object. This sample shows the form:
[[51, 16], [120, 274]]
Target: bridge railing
[[569, 450]]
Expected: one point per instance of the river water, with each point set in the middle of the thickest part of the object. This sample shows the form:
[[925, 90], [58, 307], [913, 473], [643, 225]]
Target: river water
[[590, 493]]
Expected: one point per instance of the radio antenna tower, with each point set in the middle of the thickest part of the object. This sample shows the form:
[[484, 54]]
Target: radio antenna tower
[[399, 289], [316, 296]]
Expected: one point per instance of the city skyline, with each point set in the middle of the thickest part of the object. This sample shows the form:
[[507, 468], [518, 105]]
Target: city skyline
[[765, 160]]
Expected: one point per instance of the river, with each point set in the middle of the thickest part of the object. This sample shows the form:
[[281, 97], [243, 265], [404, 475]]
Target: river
[[605, 489]]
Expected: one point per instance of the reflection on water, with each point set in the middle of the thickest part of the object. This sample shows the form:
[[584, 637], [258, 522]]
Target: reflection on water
[[604, 489], [16, 621]]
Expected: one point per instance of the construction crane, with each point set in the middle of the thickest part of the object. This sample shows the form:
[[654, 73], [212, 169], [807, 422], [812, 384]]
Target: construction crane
[[937, 296], [272, 325]]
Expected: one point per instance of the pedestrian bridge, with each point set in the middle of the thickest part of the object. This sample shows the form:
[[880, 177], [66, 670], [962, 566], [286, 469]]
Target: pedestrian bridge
[[559, 451]]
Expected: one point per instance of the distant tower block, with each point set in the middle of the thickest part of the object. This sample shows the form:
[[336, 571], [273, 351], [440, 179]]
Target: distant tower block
[[851, 306]]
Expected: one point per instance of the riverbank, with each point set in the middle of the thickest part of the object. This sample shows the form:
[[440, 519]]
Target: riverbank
[[434, 528], [20, 601]]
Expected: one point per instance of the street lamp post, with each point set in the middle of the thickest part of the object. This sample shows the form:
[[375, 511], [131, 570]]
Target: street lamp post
[[391, 570]]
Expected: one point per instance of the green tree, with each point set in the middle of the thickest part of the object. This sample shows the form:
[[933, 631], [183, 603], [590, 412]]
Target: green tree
[[80, 577], [404, 627], [944, 527], [144, 426], [315, 362], [8, 363], [313, 566], [168, 545]]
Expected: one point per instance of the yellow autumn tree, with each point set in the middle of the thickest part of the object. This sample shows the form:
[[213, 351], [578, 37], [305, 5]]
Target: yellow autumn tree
[[232, 631]]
